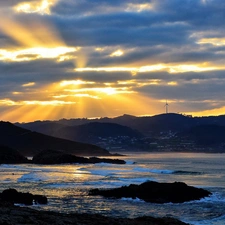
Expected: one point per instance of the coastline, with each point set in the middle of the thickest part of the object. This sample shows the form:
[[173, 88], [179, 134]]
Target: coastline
[[196, 170], [16, 215]]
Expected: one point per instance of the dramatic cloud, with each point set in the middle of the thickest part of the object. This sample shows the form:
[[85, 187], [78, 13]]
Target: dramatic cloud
[[70, 58]]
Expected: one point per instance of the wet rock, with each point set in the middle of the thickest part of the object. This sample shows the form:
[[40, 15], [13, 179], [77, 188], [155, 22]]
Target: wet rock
[[40, 199], [155, 192], [13, 196], [12, 215]]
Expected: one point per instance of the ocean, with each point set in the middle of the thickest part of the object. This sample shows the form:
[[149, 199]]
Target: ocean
[[67, 186]]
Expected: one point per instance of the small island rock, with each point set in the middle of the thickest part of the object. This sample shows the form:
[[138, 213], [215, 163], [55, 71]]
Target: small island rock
[[155, 192]]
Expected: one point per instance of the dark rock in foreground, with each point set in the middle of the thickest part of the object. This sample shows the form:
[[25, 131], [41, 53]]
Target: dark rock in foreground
[[57, 157], [13, 196], [155, 192], [11, 156], [12, 215]]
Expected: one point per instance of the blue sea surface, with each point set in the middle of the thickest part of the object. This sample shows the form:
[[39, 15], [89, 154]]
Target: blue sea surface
[[67, 186]]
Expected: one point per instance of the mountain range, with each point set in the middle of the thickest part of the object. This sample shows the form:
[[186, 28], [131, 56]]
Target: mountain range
[[129, 132]]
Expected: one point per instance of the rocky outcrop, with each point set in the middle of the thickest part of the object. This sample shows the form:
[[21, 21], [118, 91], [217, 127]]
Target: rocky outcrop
[[155, 192], [11, 156], [106, 160], [13, 196], [12, 215], [57, 157]]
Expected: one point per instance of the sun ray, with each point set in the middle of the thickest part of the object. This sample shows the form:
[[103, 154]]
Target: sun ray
[[43, 42]]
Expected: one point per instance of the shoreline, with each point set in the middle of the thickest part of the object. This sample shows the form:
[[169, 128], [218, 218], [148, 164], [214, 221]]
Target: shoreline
[[16, 215]]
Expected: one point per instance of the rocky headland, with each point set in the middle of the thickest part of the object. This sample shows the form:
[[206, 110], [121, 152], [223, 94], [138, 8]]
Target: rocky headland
[[58, 157], [12, 156]]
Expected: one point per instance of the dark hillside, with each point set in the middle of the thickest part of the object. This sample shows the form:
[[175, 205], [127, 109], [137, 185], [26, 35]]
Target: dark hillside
[[154, 125], [205, 135], [91, 132], [29, 143], [45, 127]]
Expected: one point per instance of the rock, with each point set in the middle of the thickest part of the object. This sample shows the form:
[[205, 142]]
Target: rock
[[11, 156], [57, 157], [155, 192], [106, 160], [40, 199], [13, 215], [13, 196]]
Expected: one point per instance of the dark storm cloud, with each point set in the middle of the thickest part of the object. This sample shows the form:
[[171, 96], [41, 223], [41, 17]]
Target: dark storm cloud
[[169, 32], [85, 7], [36, 71], [170, 25], [122, 28], [200, 90]]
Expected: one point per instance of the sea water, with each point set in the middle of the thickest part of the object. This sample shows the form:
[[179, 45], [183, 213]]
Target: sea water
[[67, 186]]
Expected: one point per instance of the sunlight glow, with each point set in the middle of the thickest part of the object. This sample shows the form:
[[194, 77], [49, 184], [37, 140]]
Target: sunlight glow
[[117, 53], [42, 42], [139, 7], [106, 69], [28, 84], [157, 67], [7, 102], [209, 112], [40, 7], [213, 41], [152, 68], [77, 95], [74, 82], [172, 83], [99, 49], [104, 90], [44, 35], [34, 53], [41, 103], [108, 91], [87, 96]]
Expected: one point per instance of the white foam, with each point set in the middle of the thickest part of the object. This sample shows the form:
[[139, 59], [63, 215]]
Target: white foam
[[129, 162], [104, 183], [13, 167], [214, 221], [32, 177], [105, 172], [158, 171], [215, 197], [132, 199], [137, 180]]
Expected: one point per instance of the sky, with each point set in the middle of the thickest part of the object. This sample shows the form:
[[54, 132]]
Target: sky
[[87, 59]]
